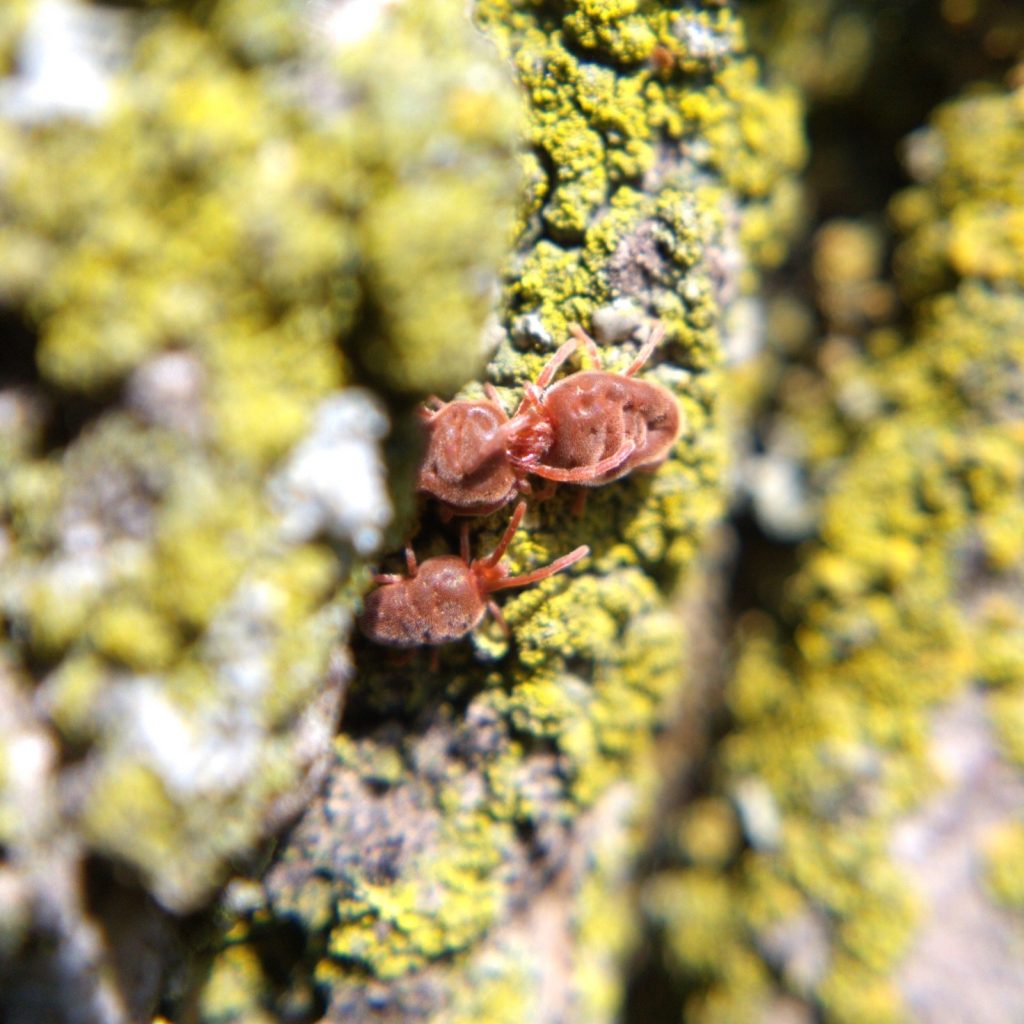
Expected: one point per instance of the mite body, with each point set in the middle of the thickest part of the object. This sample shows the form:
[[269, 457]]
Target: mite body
[[596, 417], [447, 597], [465, 465], [468, 467], [436, 603], [593, 427]]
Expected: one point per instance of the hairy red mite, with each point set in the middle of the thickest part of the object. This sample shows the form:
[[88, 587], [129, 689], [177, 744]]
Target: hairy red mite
[[447, 597], [663, 60], [466, 465], [593, 417]]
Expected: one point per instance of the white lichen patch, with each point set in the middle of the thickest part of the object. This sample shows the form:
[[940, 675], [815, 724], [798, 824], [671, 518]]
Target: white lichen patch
[[203, 753], [334, 482], [66, 63], [348, 22]]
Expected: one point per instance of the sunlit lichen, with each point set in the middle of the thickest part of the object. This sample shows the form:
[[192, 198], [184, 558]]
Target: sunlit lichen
[[837, 687]]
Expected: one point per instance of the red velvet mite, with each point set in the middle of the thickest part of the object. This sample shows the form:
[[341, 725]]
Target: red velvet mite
[[466, 466], [446, 597], [594, 416]]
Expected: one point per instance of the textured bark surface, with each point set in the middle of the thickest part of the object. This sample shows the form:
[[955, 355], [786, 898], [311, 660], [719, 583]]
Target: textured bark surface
[[757, 758]]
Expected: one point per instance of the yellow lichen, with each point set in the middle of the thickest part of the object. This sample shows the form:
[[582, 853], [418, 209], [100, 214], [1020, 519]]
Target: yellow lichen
[[1004, 853]]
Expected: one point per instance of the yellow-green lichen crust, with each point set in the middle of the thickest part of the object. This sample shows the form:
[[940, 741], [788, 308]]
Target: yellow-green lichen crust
[[251, 220], [905, 606], [655, 193]]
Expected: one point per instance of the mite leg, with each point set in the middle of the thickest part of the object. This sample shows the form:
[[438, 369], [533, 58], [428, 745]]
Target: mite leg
[[387, 577], [657, 333], [547, 491], [532, 397], [410, 561], [588, 343], [506, 538], [544, 379], [580, 474], [431, 407], [399, 659], [528, 435], [530, 413], [543, 572], [492, 393], [579, 503], [493, 608], [464, 541]]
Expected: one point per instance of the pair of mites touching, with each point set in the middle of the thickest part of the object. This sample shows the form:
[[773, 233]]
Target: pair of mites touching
[[592, 427]]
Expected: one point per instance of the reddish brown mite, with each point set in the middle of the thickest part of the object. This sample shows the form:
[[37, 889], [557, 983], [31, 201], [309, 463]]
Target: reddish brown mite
[[591, 428], [595, 416], [662, 59], [447, 597], [466, 466]]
